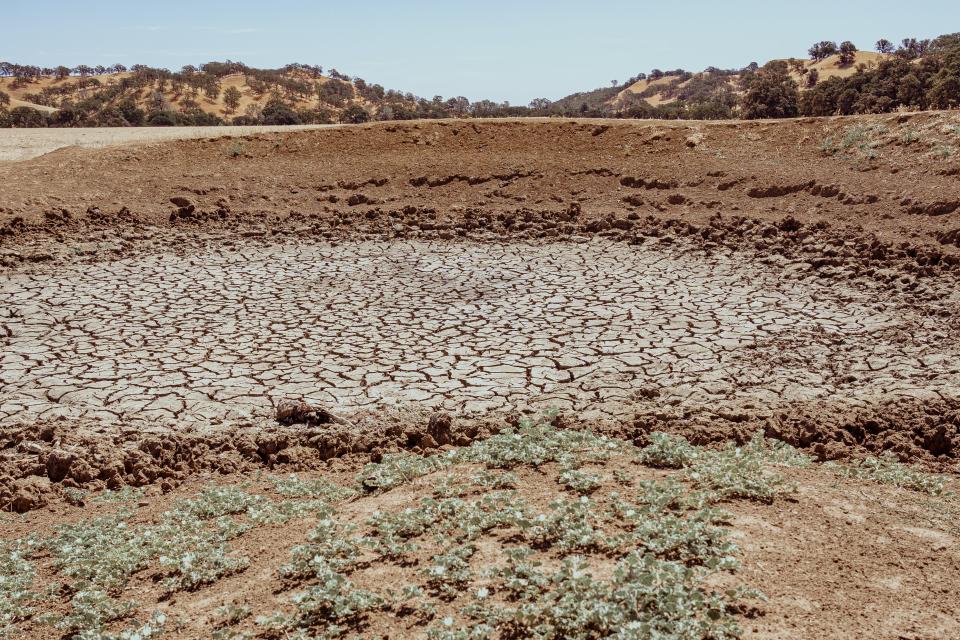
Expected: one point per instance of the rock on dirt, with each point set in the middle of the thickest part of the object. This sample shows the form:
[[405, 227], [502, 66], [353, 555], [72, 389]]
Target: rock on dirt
[[299, 412]]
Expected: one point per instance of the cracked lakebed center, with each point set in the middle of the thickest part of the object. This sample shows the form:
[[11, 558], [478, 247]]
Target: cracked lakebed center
[[590, 327]]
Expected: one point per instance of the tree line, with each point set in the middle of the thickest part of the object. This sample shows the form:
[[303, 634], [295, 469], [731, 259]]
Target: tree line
[[917, 74]]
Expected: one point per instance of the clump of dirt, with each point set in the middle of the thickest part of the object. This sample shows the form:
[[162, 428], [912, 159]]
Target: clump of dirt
[[925, 431], [38, 461], [290, 412]]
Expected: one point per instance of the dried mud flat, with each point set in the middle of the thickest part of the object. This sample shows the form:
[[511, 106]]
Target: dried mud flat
[[434, 284]]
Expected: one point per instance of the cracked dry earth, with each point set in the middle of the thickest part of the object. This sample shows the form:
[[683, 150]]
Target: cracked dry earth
[[467, 327]]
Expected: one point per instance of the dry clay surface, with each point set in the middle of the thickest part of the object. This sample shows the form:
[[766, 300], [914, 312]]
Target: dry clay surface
[[22, 144], [589, 327]]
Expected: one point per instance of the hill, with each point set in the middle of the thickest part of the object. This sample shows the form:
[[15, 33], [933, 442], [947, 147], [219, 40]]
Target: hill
[[836, 80], [871, 80], [214, 93], [670, 88]]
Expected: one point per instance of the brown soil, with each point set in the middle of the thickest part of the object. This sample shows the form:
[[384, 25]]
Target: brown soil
[[769, 191], [517, 179], [833, 559]]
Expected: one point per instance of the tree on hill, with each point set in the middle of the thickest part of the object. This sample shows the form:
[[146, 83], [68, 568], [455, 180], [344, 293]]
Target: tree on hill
[[945, 90], [911, 48], [4, 99], [189, 103], [276, 111], [823, 49], [771, 93], [354, 114], [812, 78], [25, 117], [130, 112], [944, 43], [884, 46], [163, 119], [848, 52], [231, 98]]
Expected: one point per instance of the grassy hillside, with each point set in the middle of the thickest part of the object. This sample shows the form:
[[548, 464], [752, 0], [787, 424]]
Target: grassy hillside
[[215, 93], [837, 79], [670, 88], [918, 75]]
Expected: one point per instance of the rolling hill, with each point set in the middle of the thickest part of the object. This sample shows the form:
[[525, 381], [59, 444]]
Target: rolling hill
[[669, 88]]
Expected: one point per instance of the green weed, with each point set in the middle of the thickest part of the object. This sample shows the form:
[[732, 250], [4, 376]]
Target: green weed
[[887, 470]]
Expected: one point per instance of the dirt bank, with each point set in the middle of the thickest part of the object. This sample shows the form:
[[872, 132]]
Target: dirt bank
[[894, 177]]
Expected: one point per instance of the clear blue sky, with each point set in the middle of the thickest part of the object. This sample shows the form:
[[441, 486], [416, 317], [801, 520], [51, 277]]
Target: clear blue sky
[[503, 50]]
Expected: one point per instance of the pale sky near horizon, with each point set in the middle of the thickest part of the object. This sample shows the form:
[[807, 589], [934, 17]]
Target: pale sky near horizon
[[499, 50]]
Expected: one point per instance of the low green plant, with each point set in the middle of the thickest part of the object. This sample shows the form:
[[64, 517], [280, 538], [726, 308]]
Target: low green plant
[[397, 469], [736, 472], [646, 597], [294, 487], [732, 472], [449, 573], [328, 608], [538, 443], [125, 494], [777, 452], [232, 614], [531, 443], [488, 479], [189, 544], [330, 543], [668, 451], [580, 482], [910, 136], [16, 578], [100, 554], [569, 525], [944, 151], [887, 470]]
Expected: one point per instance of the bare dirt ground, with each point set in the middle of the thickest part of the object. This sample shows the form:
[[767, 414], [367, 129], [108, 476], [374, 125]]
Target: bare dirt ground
[[432, 283], [23, 144]]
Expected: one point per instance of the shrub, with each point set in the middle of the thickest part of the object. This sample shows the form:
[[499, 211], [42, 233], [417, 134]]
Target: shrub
[[25, 117], [771, 93], [354, 114], [277, 112], [162, 119]]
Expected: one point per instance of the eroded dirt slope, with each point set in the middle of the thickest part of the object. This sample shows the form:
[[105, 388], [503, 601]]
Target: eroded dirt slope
[[893, 176]]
